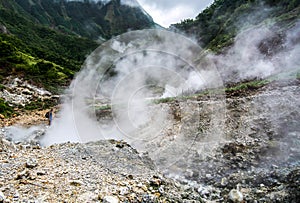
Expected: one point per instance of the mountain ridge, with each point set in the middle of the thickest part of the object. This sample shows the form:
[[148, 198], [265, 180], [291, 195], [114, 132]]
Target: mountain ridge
[[85, 18]]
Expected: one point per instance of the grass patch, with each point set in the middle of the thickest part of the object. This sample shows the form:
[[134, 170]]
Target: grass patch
[[103, 108], [165, 100], [248, 85], [236, 88], [5, 109]]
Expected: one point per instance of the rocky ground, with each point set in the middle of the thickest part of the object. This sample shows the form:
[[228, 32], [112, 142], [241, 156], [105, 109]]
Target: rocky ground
[[24, 97], [258, 159], [27, 118], [260, 152], [248, 154], [104, 171]]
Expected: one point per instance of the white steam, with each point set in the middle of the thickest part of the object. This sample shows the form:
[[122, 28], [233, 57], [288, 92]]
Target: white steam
[[132, 69], [129, 72], [19, 134], [251, 57]]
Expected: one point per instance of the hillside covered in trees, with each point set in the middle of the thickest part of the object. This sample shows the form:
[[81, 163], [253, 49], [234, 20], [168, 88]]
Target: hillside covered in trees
[[216, 27], [47, 41]]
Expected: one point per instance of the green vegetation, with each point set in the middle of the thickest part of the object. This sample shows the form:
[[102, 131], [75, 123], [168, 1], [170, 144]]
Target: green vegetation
[[164, 100], [2, 87], [217, 26], [87, 18], [248, 85], [102, 108], [236, 88], [5, 109], [39, 71], [47, 41], [39, 104]]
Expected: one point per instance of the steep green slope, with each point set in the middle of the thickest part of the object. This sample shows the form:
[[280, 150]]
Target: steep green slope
[[30, 48], [216, 27], [46, 41]]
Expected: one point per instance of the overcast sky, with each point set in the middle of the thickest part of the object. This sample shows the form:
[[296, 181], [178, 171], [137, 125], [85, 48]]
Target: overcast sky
[[166, 12]]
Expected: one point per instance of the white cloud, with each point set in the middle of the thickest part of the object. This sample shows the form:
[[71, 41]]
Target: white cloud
[[167, 12]]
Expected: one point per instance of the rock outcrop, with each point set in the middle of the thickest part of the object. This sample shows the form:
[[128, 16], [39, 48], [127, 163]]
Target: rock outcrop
[[20, 93]]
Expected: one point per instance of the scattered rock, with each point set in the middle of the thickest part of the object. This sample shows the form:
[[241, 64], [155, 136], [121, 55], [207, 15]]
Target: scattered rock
[[22, 174], [236, 195], [110, 199], [224, 181], [31, 163], [41, 173], [155, 182], [76, 183], [20, 93], [2, 197], [56, 169], [256, 139]]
